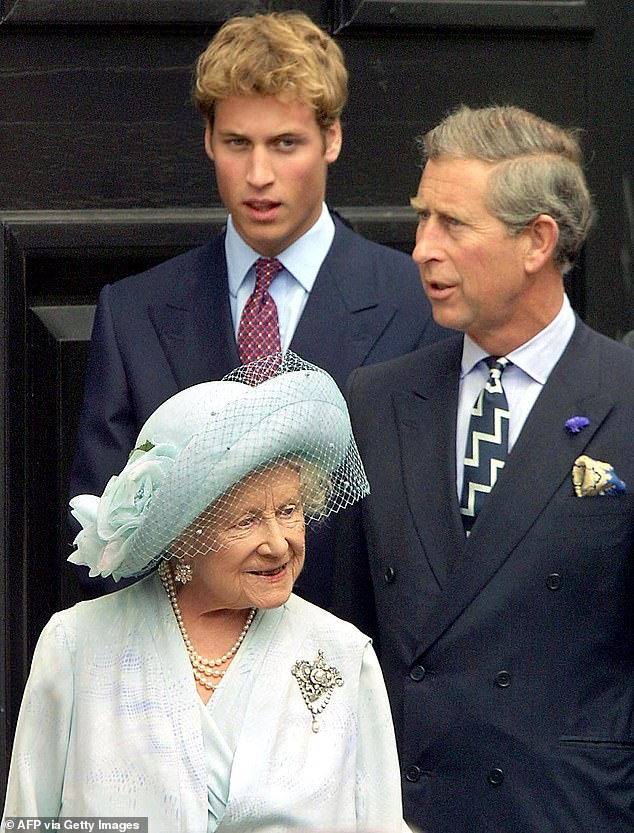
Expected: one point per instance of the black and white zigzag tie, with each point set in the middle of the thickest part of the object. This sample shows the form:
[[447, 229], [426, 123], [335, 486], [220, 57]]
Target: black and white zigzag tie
[[487, 442]]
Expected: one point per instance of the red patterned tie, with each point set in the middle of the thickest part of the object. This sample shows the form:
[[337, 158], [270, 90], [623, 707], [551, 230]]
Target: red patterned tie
[[259, 332]]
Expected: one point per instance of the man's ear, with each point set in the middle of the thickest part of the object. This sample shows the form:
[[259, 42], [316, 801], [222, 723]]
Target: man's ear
[[541, 240], [208, 147], [332, 142]]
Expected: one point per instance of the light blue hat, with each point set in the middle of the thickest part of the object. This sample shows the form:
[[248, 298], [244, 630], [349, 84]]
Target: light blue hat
[[203, 441]]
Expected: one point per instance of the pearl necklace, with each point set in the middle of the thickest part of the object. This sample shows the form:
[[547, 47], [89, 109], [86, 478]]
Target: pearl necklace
[[207, 672]]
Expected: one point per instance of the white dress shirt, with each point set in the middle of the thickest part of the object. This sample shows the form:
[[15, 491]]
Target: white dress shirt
[[523, 381], [290, 290]]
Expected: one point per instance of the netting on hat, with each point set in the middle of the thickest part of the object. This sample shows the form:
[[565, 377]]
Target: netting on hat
[[279, 456]]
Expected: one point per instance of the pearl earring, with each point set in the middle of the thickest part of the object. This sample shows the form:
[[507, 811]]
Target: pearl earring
[[183, 572]]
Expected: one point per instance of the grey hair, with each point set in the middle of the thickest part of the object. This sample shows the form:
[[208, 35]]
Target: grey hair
[[538, 169]]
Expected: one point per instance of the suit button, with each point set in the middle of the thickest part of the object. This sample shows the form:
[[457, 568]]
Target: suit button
[[412, 773], [389, 575], [495, 777], [503, 679], [553, 582], [417, 673]]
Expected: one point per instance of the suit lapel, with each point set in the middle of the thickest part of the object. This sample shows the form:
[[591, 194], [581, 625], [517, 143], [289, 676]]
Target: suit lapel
[[428, 459], [341, 322], [344, 316], [194, 325], [541, 461]]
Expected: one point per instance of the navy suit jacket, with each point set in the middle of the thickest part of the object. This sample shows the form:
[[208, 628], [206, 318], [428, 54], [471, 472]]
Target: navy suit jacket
[[509, 656], [171, 327]]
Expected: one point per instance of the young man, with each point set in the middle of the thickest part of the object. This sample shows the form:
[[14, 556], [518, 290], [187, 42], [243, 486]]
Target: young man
[[494, 563], [271, 88]]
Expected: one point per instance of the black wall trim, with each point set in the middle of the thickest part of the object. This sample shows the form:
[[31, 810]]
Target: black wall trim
[[126, 11], [525, 15], [573, 15], [42, 231], [81, 233]]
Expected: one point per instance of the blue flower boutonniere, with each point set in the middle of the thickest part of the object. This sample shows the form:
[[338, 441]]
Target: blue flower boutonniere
[[576, 424]]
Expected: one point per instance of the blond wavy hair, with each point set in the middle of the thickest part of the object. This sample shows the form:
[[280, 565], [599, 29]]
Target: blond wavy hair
[[538, 169], [278, 54]]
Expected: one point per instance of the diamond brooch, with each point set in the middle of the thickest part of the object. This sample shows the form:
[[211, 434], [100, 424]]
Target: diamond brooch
[[317, 681]]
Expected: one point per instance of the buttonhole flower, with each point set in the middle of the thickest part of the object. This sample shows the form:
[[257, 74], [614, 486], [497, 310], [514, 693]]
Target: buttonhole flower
[[110, 521], [576, 424]]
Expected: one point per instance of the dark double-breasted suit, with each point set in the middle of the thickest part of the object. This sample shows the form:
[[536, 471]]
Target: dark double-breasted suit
[[171, 327], [509, 657]]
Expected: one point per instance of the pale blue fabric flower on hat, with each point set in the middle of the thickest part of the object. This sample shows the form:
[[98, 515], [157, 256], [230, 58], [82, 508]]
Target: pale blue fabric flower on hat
[[109, 521]]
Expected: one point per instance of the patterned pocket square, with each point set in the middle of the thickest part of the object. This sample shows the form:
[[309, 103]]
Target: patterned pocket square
[[592, 477]]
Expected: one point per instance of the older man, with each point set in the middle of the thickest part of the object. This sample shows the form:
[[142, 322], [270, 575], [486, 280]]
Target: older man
[[494, 559]]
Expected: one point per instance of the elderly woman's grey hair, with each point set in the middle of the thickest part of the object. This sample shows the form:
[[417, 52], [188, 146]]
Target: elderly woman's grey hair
[[538, 169]]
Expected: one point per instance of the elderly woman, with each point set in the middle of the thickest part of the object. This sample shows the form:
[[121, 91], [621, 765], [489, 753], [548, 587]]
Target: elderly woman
[[206, 696]]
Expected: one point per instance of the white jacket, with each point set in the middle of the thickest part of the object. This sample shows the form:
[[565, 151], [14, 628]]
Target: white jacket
[[110, 724]]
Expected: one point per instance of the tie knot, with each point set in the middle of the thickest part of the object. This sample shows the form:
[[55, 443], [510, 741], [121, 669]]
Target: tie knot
[[266, 268], [498, 362], [497, 365]]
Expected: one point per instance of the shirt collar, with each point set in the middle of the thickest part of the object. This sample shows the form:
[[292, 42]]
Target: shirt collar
[[536, 357], [302, 259]]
